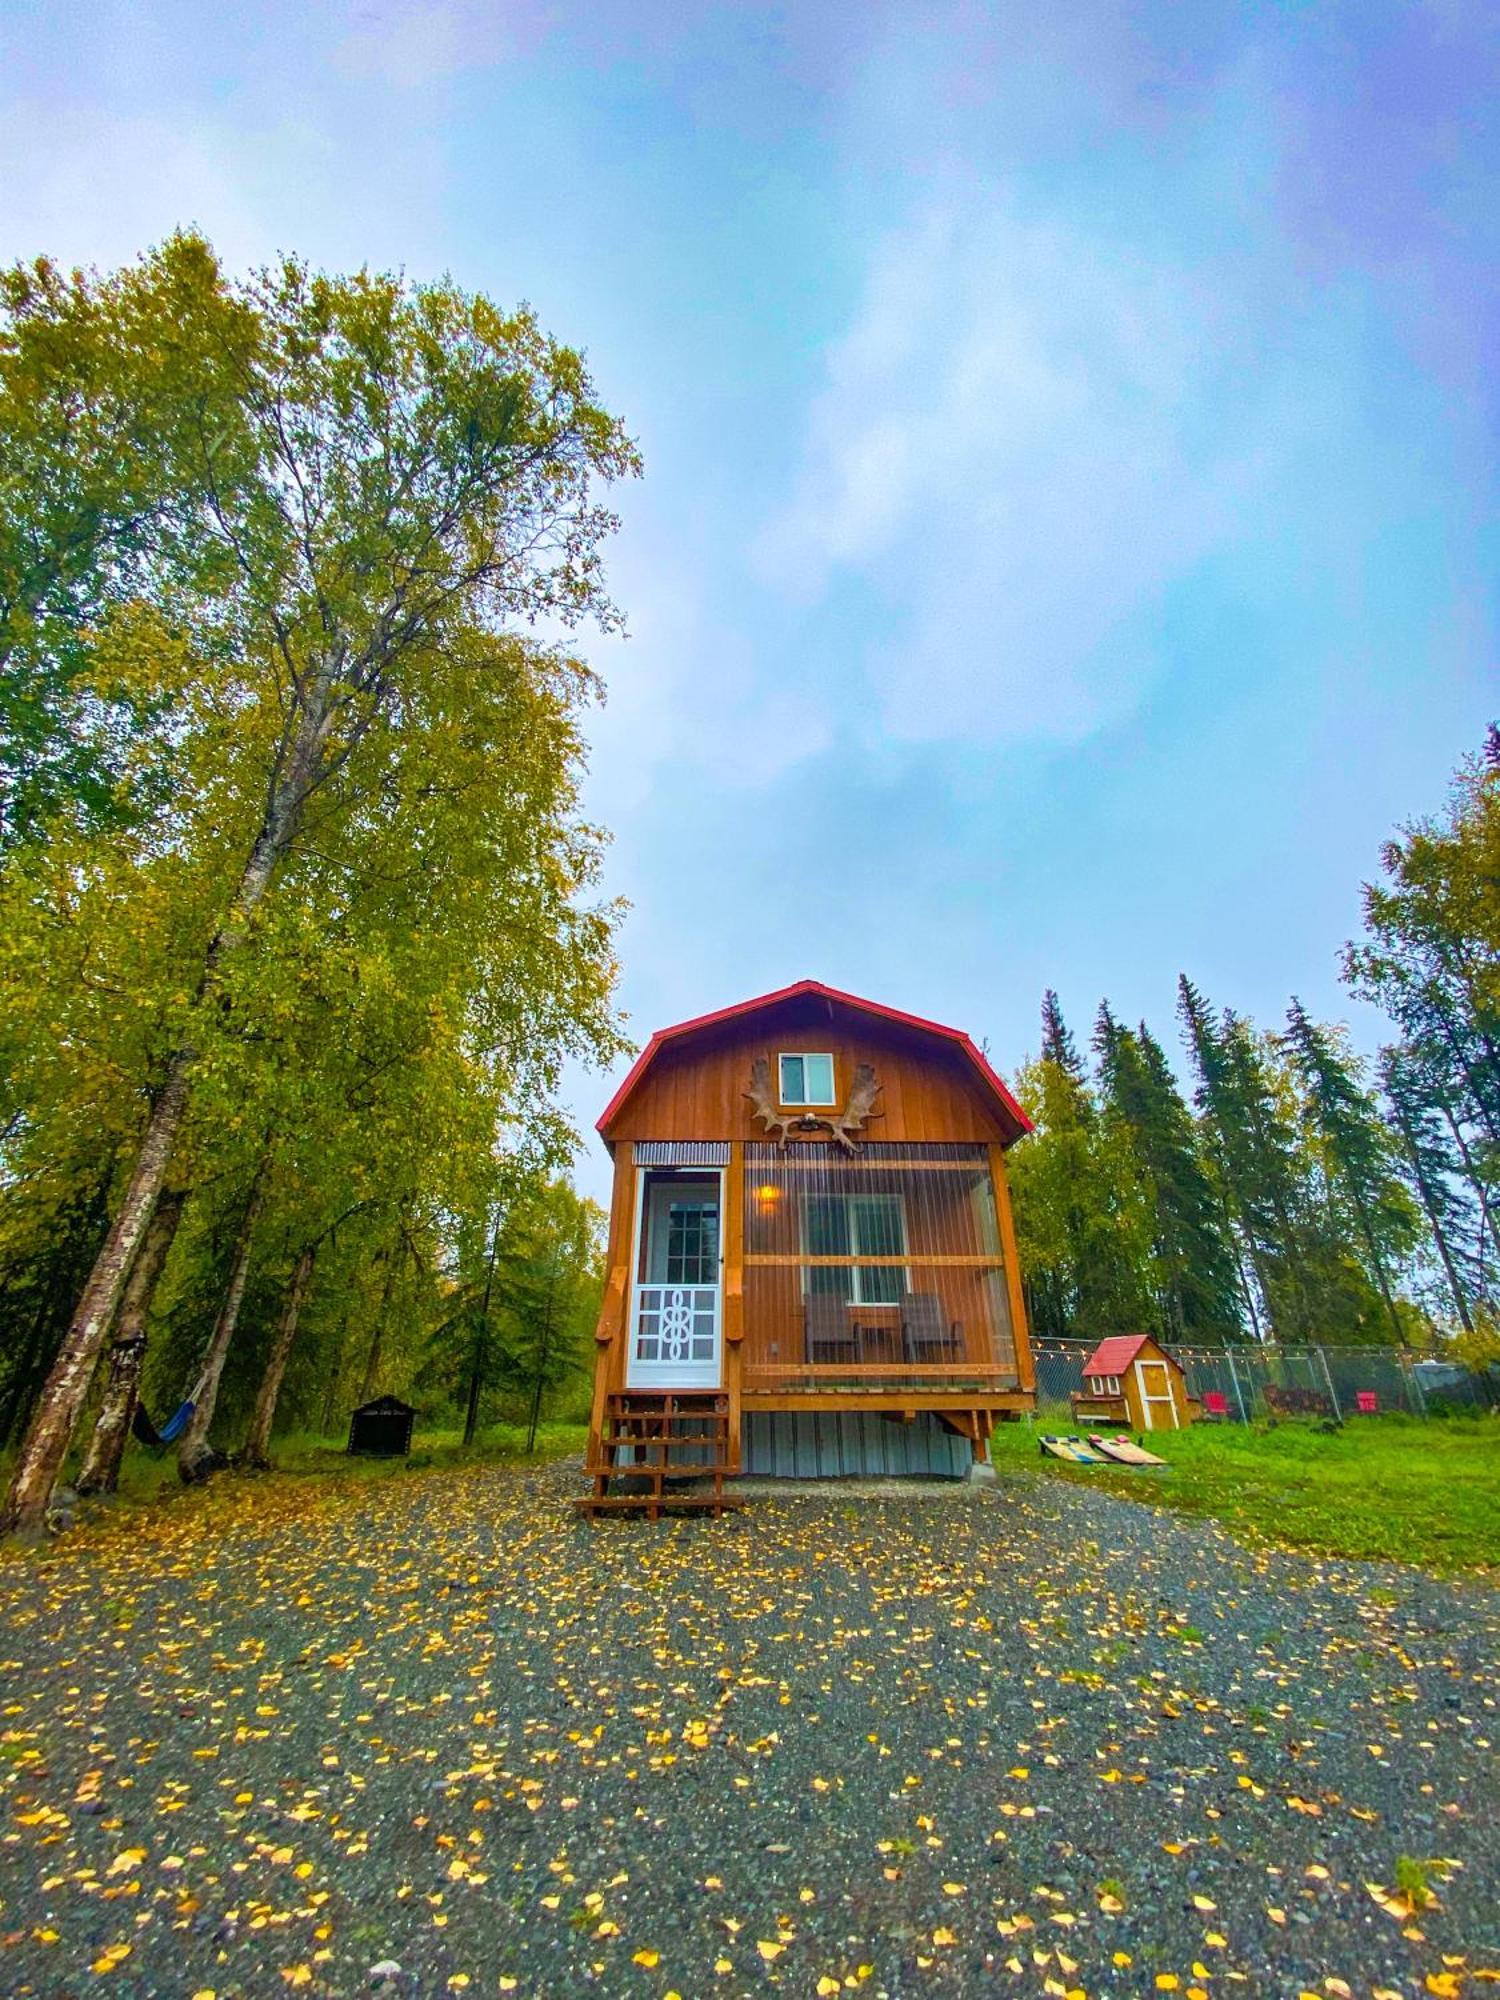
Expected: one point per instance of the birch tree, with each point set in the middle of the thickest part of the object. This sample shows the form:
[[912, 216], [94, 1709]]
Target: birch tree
[[408, 473]]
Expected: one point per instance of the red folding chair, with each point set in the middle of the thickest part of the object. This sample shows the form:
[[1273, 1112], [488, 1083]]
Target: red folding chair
[[1215, 1404], [1365, 1402]]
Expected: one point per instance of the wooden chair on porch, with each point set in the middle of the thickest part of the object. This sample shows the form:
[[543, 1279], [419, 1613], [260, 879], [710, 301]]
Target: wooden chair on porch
[[828, 1332], [927, 1334]]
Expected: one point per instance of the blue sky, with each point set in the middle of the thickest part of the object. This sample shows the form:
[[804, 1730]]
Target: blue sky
[[1067, 546]]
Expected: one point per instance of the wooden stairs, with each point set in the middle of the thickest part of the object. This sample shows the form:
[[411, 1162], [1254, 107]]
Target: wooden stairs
[[652, 1443]]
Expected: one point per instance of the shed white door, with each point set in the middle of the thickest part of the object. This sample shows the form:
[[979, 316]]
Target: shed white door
[[1158, 1405], [676, 1306]]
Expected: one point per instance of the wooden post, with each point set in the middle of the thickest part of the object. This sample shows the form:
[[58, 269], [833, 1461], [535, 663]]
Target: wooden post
[[610, 1335], [1020, 1333], [734, 1289]]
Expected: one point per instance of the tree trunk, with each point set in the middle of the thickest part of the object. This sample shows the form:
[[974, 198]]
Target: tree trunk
[[1434, 1217], [1377, 1264], [372, 1359], [543, 1356], [55, 1417], [101, 1465], [195, 1458], [1471, 1171], [257, 1445], [481, 1345], [335, 1381]]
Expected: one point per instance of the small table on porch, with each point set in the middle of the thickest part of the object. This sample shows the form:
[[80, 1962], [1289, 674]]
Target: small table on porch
[[876, 1332]]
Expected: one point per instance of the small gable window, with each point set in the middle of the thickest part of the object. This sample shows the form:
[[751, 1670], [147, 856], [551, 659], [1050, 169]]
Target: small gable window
[[806, 1079]]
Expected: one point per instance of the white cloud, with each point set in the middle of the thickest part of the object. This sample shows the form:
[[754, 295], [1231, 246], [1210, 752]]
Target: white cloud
[[95, 187], [1025, 435], [689, 702], [417, 42]]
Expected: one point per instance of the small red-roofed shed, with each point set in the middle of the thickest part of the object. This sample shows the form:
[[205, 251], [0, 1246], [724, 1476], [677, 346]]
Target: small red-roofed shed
[[1129, 1379]]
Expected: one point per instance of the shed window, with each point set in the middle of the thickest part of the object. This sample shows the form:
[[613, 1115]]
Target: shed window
[[806, 1079], [1105, 1385]]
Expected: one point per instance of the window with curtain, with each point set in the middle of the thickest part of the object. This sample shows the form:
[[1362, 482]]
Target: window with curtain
[[855, 1225]]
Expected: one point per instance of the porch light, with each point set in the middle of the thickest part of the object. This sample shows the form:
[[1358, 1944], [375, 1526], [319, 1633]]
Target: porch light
[[768, 1192]]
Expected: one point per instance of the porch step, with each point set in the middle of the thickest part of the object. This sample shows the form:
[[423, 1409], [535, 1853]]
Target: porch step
[[652, 1442]]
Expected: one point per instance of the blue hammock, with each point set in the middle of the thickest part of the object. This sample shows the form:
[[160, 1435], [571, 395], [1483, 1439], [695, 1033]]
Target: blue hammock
[[158, 1440]]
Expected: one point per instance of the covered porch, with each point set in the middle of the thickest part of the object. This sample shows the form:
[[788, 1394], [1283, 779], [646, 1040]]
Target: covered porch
[[878, 1280]]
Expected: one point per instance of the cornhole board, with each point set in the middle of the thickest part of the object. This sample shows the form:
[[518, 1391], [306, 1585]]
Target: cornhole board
[[1071, 1450], [1125, 1451]]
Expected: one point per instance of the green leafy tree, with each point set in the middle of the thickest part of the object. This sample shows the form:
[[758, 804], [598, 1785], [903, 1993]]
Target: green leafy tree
[[1431, 958], [111, 392], [1082, 1219], [400, 476]]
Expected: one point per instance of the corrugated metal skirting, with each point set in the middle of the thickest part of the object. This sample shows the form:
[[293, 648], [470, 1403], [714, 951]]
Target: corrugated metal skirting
[[809, 1444]]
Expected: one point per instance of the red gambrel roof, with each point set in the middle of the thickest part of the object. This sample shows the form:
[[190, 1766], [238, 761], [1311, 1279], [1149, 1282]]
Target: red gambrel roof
[[1114, 1356], [1011, 1113]]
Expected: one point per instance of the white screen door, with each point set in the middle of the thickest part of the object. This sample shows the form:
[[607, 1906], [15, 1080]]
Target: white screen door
[[676, 1307]]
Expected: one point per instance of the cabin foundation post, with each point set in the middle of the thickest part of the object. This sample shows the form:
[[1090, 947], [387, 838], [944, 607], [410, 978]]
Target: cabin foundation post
[[734, 1291], [1020, 1332]]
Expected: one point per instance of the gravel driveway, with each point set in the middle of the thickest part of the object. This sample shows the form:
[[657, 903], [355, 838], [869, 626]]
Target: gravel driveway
[[1024, 1739]]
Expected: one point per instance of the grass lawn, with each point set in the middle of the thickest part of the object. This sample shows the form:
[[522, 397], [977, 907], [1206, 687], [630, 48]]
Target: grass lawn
[[146, 1475], [1387, 1489]]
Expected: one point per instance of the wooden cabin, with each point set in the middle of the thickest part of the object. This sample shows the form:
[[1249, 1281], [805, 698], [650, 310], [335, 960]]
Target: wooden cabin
[[812, 1265], [1128, 1379]]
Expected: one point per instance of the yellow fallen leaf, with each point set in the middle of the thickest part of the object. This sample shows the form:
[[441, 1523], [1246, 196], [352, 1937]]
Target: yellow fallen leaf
[[722, 1965], [1166, 1982], [646, 1958], [827, 1986], [769, 1949], [942, 1935], [1204, 1903], [128, 1858], [297, 1975], [1123, 1958]]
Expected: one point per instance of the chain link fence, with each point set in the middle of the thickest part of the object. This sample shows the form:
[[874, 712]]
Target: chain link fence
[[1257, 1383]]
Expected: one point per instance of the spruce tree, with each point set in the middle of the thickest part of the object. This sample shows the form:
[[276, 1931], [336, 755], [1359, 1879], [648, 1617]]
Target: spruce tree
[[1255, 1147], [1357, 1153], [1080, 1211], [1195, 1273], [1058, 1045]]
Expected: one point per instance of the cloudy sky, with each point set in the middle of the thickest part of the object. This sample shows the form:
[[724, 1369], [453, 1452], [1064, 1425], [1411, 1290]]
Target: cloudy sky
[[1067, 546]]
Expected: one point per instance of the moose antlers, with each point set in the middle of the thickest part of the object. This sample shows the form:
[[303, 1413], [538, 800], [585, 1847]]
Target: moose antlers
[[862, 1095], [779, 1124], [776, 1122]]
